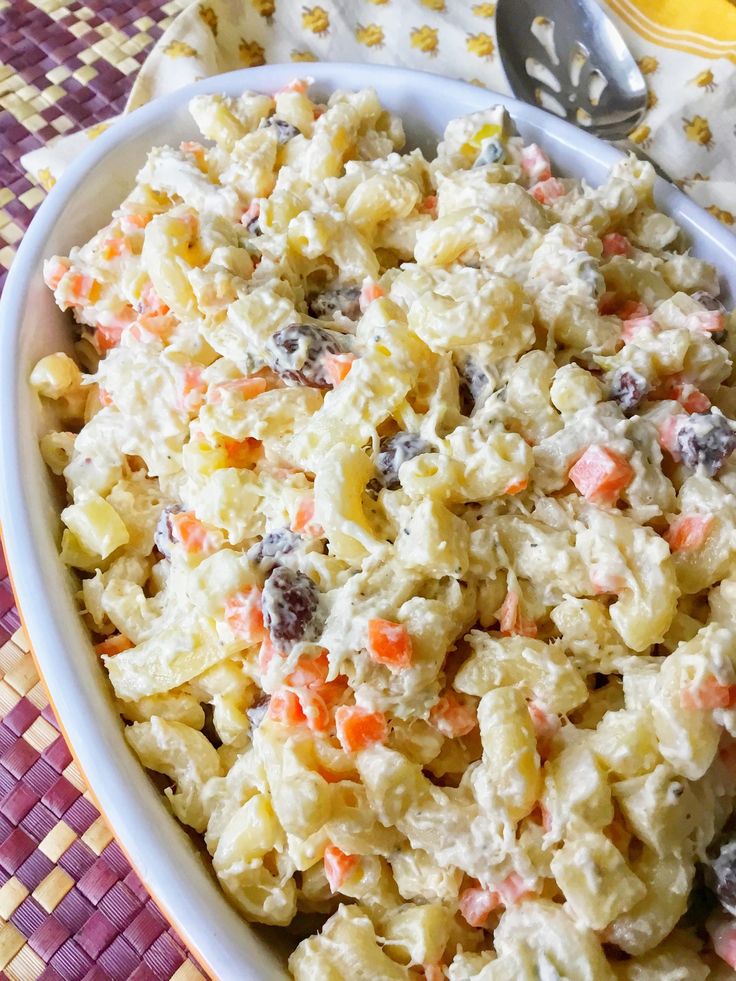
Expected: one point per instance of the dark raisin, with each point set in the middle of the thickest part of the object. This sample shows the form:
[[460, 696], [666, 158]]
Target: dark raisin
[[721, 876], [474, 385], [298, 352], [257, 712], [708, 301], [284, 131], [628, 388], [706, 439], [274, 545], [291, 608], [345, 301], [254, 226], [397, 450], [163, 536]]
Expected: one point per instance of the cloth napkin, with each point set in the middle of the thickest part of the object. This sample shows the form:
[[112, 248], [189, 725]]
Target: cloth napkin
[[685, 49]]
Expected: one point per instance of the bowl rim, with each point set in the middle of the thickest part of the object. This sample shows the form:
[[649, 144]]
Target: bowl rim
[[21, 535]]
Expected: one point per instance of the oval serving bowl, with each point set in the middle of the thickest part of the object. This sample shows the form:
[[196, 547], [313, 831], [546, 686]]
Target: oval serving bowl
[[165, 857]]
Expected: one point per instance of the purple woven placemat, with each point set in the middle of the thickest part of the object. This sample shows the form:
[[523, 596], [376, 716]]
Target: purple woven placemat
[[71, 908]]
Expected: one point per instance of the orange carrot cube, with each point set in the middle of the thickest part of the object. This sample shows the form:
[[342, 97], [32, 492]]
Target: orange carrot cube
[[358, 728], [337, 367], [615, 244], [452, 717], [477, 903], [708, 694], [688, 532], [600, 475], [389, 643], [115, 644], [244, 615], [511, 620], [548, 190], [285, 708], [303, 521], [338, 866]]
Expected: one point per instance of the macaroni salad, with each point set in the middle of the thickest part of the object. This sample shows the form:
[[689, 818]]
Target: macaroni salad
[[402, 499]]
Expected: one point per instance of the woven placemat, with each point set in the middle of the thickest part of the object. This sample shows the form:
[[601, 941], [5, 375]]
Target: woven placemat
[[71, 907]]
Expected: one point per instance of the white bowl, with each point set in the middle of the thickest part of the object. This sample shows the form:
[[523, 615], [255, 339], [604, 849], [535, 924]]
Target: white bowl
[[32, 326]]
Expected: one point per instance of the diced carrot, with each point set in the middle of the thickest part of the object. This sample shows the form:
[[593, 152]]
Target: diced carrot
[[511, 619], [242, 453], [104, 396], [429, 204], [722, 932], [546, 726], [315, 710], [266, 654], [708, 694], [707, 321], [286, 708], [452, 717], [615, 244], [667, 434], [107, 337], [131, 223], [337, 367], [517, 486], [115, 644], [688, 532], [633, 325], [251, 213], [338, 866], [80, 288], [244, 616], [548, 190], [477, 903], [299, 85], [151, 303], [54, 270], [309, 672], [389, 643], [303, 521], [114, 247], [535, 163], [605, 581], [192, 388], [689, 397], [632, 310], [358, 728], [190, 531], [248, 387], [513, 888], [369, 292], [600, 475]]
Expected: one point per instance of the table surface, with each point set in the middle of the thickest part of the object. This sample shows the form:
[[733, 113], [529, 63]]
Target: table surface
[[71, 908]]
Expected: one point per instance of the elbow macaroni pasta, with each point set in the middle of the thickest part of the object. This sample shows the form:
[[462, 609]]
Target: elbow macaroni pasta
[[401, 498]]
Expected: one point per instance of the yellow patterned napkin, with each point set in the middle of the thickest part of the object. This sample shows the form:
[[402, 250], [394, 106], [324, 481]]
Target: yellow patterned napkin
[[685, 48]]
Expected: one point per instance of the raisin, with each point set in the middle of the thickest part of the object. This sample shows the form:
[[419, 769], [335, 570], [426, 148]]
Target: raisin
[[721, 876], [163, 536], [254, 226], [284, 131], [628, 388], [345, 301], [291, 608], [273, 546], [708, 301], [298, 352], [396, 450], [706, 439], [473, 384], [257, 712]]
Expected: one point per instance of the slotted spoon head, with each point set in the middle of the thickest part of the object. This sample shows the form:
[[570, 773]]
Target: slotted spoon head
[[568, 57]]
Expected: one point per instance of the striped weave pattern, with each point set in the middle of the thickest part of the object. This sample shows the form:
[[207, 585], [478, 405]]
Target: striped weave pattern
[[71, 908]]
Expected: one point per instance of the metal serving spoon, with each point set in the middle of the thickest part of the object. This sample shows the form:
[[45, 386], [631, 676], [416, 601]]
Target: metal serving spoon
[[568, 57]]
